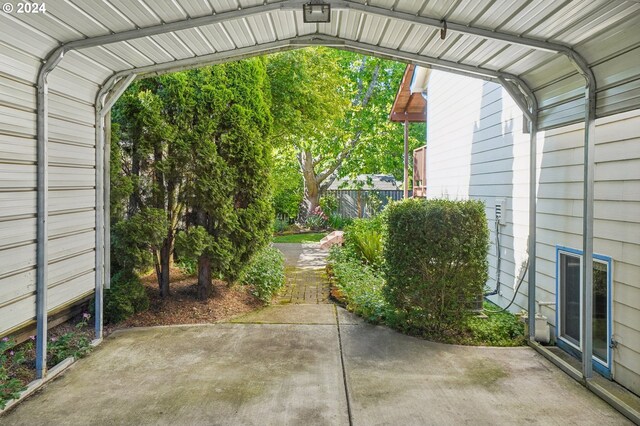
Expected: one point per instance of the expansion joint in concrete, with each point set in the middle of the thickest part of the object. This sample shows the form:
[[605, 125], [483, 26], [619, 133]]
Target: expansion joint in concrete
[[344, 371]]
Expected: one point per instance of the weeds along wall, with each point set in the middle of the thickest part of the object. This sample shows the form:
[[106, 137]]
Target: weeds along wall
[[73, 86]]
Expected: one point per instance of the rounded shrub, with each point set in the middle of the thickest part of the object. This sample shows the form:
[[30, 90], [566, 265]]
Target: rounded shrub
[[126, 297], [435, 263], [264, 273]]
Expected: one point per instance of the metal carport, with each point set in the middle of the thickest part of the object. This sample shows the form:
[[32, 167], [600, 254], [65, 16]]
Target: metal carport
[[61, 70]]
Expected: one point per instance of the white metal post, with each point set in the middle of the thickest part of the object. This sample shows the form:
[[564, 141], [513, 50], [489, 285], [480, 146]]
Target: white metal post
[[107, 199], [111, 90], [533, 188], [99, 221], [406, 160], [42, 233]]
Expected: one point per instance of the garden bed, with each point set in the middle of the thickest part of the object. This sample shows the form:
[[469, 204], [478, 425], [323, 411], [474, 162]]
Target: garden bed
[[17, 362], [184, 307]]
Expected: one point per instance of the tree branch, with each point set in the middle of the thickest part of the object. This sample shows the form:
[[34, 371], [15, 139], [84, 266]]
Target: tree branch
[[372, 86], [340, 158]]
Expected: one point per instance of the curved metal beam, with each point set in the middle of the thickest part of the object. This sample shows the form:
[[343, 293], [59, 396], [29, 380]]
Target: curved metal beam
[[42, 232], [114, 86], [528, 107]]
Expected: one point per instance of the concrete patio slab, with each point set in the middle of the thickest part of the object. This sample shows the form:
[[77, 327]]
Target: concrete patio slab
[[397, 379], [199, 375], [294, 374]]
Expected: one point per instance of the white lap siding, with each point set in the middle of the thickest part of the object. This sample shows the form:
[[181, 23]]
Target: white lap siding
[[476, 148], [616, 224]]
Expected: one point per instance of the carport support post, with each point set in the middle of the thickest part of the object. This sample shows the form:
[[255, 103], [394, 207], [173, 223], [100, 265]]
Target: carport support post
[[99, 220], [533, 168], [587, 231], [406, 159], [107, 199], [42, 233]]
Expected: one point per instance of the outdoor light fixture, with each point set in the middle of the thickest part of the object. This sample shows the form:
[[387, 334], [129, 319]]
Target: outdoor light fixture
[[316, 11]]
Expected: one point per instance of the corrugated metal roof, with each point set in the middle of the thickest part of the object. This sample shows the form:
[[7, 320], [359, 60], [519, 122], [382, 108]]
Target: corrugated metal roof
[[606, 33]]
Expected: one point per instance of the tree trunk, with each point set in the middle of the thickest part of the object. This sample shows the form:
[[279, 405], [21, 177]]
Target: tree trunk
[[204, 277], [165, 261], [311, 198], [204, 263]]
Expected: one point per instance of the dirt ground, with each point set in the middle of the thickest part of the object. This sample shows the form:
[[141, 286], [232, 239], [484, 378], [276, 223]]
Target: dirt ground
[[184, 307]]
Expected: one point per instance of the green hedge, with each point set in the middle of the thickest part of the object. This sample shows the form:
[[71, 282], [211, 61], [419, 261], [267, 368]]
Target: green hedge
[[435, 263]]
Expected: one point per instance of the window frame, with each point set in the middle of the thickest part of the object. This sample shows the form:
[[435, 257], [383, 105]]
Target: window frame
[[602, 367]]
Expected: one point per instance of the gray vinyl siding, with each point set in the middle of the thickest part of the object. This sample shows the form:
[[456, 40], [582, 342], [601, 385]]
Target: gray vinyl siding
[[71, 156]]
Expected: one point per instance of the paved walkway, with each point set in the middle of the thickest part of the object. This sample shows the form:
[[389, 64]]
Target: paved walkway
[[306, 280]]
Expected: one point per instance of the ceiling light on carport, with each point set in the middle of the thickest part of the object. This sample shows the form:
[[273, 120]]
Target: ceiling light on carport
[[316, 11]]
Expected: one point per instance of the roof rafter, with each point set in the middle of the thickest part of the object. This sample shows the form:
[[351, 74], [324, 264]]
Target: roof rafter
[[189, 23]]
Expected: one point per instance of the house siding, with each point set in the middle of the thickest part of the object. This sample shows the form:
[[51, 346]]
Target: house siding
[[477, 149]]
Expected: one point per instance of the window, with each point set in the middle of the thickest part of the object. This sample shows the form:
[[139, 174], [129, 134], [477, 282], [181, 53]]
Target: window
[[569, 312]]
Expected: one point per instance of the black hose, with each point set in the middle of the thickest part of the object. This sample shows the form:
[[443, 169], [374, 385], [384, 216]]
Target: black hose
[[515, 293], [498, 261]]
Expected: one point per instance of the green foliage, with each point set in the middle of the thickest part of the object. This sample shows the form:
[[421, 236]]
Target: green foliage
[[280, 225], [333, 107], [10, 358], [228, 186], [264, 273], [71, 344], [307, 237], [194, 145], [317, 220], [369, 246], [122, 184], [363, 240], [436, 263], [188, 266], [287, 182], [134, 239], [361, 286], [337, 221], [329, 204], [498, 329], [126, 297]]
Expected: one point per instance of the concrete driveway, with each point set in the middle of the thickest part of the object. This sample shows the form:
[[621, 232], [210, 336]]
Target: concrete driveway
[[306, 365]]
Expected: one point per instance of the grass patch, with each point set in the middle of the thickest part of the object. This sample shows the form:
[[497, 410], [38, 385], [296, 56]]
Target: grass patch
[[310, 237]]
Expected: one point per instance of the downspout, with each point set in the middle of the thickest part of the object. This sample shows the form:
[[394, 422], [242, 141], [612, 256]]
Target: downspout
[[42, 257]]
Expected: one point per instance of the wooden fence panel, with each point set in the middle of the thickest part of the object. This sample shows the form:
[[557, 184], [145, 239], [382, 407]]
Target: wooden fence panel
[[361, 203]]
